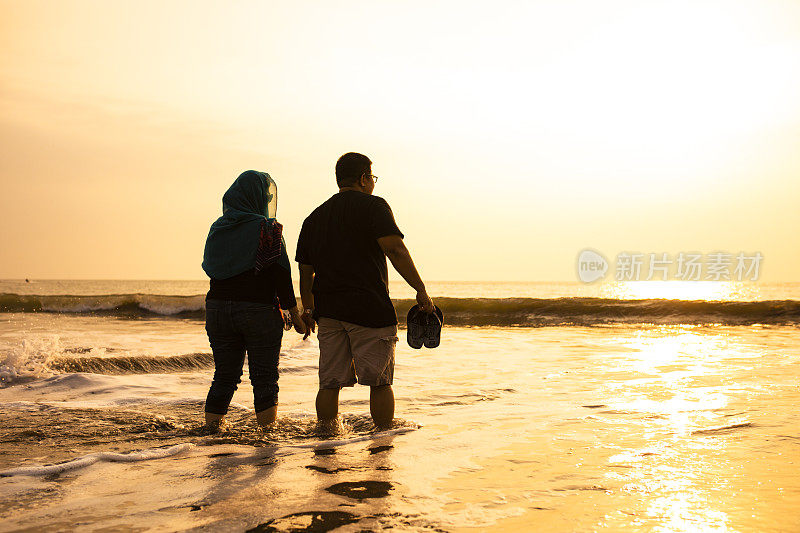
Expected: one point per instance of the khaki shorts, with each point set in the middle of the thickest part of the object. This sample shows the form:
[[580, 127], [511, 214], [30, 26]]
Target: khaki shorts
[[350, 354]]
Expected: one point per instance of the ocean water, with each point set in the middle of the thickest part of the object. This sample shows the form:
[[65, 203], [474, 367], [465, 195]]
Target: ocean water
[[548, 406]]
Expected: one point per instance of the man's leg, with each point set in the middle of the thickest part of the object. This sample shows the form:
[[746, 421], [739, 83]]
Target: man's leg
[[373, 357], [381, 405], [327, 404], [336, 368]]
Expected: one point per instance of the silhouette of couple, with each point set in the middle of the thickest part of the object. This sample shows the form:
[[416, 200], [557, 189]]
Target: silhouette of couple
[[341, 252]]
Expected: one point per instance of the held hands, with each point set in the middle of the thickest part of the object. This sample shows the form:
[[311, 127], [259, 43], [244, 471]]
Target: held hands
[[308, 321], [293, 319], [424, 301], [303, 324]]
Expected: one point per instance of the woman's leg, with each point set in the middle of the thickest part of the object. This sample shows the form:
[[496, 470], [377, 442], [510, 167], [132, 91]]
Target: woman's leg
[[228, 347], [262, 326]]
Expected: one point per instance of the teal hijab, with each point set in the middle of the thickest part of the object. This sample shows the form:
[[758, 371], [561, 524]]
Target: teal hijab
[[233, 240]]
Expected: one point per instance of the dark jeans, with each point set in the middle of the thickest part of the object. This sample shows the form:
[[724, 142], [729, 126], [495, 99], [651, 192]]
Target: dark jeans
[[233, 328]]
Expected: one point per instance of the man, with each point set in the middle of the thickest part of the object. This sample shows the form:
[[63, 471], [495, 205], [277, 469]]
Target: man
[[342, 251]]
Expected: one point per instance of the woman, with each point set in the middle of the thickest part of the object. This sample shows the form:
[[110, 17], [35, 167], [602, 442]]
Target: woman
[[245, 257]]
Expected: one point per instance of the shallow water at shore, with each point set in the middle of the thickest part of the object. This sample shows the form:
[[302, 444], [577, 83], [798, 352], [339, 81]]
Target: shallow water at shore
[[672, 428]]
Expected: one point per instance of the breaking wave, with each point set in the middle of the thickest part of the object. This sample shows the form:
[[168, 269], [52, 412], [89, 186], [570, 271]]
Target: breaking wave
[[535, 312], [133, 364], [529, 312], [42, 358], [121, 305]]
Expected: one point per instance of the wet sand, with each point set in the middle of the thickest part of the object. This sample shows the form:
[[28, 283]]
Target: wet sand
[[621, 428]]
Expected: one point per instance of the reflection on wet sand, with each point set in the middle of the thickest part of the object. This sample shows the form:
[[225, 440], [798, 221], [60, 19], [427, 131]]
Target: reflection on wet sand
[[307, 521], [358, 479], [675, 451]]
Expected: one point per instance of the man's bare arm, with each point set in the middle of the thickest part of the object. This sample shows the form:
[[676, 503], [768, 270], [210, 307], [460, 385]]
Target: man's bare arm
[[395, 249], [306, 296]]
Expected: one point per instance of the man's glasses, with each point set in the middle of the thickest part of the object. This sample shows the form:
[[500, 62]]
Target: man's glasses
[[373, 176]]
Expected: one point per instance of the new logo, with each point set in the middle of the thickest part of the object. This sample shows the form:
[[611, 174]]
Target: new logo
[[591, 266]]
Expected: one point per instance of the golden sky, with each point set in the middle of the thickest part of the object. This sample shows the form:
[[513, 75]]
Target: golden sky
[[507, 136]]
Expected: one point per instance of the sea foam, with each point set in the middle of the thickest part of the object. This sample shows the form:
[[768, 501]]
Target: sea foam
[[160, 453], [92, 458], [29, 359]]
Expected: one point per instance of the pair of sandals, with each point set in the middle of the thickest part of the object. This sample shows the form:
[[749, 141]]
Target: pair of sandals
[[424, 329]]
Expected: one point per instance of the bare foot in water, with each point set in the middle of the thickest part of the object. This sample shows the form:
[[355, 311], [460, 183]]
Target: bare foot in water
[[214, 422], [330, 426], [267, 417]]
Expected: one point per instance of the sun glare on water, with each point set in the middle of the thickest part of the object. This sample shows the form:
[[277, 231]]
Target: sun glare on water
[[681, 290]]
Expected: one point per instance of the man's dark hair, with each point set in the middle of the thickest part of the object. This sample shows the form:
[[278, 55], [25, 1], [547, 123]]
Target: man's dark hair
[[350, 167]]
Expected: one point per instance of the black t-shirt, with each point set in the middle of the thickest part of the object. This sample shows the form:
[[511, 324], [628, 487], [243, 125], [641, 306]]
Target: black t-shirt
[[339, 239]]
